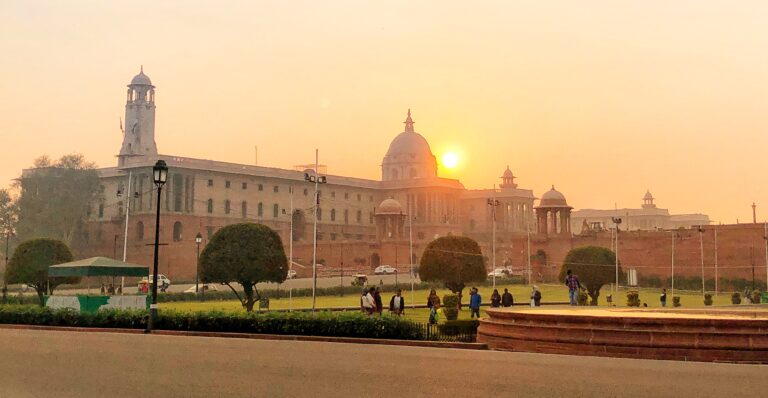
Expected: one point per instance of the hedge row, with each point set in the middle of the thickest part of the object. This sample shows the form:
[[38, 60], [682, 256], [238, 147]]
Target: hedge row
[[338, 324]]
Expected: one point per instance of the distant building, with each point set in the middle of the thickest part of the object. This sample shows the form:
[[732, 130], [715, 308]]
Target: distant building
[[647, 218]]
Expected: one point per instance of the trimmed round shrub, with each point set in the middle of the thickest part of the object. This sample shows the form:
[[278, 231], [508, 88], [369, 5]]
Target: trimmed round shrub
[[451, 306], [707, 299], [633, 299], [736, 298]]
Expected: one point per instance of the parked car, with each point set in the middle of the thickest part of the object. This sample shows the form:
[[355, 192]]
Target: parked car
[[384, 270], [162, 280], [498, 273], [203, 287], [291, 274]]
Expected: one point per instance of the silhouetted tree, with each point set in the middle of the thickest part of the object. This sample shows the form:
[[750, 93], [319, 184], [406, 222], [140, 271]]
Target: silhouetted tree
[[30, 263], [595, 267], [454, 261]]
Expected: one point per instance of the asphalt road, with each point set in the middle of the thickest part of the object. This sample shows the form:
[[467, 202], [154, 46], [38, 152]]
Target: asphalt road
[[70, 364]]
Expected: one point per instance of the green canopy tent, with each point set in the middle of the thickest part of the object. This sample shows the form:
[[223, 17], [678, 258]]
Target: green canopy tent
[[97, 266]]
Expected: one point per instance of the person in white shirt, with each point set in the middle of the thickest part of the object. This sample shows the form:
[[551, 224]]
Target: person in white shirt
[[369, 303]]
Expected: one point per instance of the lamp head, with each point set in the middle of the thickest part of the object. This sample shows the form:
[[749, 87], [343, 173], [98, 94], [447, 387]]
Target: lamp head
[[199, 238], [160, 173]]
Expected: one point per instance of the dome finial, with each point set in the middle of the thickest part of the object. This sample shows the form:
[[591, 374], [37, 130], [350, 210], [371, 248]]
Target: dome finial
[[142, 69], [553, 187], [409, 123]]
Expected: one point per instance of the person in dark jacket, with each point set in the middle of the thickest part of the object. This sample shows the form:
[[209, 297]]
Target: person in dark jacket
[[506, 299], [397, 303], [495, 298], [433, 303], [377, 298]]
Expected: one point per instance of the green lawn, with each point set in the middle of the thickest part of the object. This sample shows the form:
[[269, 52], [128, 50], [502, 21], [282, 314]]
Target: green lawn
[[521, 294]]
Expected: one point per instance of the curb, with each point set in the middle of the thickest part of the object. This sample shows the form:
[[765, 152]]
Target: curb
[[319, 339]]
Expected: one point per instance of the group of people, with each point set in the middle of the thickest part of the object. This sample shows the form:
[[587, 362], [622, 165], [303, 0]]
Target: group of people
[[501, 300], [371, 302]]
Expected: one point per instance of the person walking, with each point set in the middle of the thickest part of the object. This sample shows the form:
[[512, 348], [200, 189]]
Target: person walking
[[377, 300], [506, 299], [474, 303], [397, 303], [433, 303], [369, 303], [495, 299], [535, 296], [663, 297], [572, 281]]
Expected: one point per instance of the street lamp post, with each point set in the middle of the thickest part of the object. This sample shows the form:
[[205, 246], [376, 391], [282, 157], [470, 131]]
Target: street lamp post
[[701, 253], [316, 179], [410, 252], [160, 176], [672, 289], [494, 204], [198, 241], [617, 222]]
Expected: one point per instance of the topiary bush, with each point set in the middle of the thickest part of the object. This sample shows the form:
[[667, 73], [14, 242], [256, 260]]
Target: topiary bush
[[451, 306], [756, 296], [707, 299], [464, 326], [633, 299], [736, 298], [676, 301]]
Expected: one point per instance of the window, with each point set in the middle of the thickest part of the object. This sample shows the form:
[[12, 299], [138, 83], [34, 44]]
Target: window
[[333, 214], [226, 184], [394, 174], [244, 209], [319, 214], [101, 210], [359, 217], [275, 210], [420, 235], [210, 183], [358, 197], [333, 236], [276, 189], [261, 187], [139, 230], [306, 192], [210, 206], [333, 194], [346, 216], [226, 206], [177, 231], [209, 231], [370, 198], [260, 209], [346, 195], [178, 190], [245, 185], [370, 217]]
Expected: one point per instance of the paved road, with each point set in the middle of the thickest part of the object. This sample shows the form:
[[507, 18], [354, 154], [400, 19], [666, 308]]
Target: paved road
[[68, 364]]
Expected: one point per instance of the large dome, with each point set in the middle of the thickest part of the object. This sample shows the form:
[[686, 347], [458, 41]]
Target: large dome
[[141, 79], [409, 156], [409, 144], [553, 198]]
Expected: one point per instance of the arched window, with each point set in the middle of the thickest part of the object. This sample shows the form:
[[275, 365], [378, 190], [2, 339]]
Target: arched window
[[227, 206], [210, 206], [333, 214], [359, 216], [275, 210], [244, 209], [177, 231], [261, 209], [394, 174], [139, 230]]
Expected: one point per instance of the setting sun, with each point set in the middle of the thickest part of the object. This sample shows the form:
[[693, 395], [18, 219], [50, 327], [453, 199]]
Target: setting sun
[[450, 160]]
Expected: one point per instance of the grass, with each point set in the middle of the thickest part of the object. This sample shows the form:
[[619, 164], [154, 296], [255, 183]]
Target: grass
[[521, 294]]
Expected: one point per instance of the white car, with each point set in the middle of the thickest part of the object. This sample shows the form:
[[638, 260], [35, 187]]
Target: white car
[[161, 280], [384, 270], [203, 287], [291, 274], [498, 273]]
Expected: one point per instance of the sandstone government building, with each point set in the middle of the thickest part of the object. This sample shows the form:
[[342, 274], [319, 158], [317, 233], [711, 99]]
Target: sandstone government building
[[362, 223]]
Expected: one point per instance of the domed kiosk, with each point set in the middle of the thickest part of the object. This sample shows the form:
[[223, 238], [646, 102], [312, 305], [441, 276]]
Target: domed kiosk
[[409, 156], [390, 220], [553, 215]]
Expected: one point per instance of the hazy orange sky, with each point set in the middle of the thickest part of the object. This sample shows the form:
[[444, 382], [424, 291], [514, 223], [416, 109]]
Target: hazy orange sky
[[601, 98]]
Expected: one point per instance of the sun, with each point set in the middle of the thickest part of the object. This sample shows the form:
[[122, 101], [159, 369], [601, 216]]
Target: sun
[[450, 160]]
